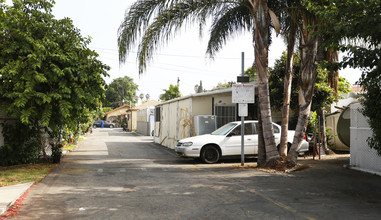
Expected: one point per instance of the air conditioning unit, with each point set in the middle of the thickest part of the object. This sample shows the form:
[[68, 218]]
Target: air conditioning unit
[[205, 124]]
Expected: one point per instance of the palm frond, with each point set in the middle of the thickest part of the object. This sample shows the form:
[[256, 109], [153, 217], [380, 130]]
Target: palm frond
[[135, 21], [170, 20], [231, 19]]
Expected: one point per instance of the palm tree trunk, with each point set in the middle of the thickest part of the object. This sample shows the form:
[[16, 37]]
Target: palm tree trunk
[[287, 90], [308, 76], [261, 38], [332, 57], [261, 143]]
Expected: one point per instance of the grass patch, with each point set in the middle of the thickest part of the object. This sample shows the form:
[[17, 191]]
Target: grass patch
[[24, 173], [68, 147]]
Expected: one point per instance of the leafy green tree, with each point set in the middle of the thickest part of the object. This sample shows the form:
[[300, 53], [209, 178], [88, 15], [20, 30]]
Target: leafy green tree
[[50, 80], [121, 90], [354, 26], [290, 18], [276, 83], [324, 94], [251, 72], [223, 85], [171, 93], [157, 21]]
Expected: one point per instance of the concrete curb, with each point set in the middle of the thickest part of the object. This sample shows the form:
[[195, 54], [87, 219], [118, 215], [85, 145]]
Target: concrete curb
[[9, 195]]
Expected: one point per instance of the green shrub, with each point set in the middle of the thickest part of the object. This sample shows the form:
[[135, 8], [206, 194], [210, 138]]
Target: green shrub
[[20, 145], [56, 153]]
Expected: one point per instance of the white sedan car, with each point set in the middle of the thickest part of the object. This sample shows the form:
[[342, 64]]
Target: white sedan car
[[226, 141]]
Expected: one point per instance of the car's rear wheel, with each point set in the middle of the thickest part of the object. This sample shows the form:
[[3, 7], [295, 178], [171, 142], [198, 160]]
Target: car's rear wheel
[[94, 126], [111, 126], [210, 154]]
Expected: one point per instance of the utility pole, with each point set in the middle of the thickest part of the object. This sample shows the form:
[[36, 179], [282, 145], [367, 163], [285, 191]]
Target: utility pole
[[243, 118]]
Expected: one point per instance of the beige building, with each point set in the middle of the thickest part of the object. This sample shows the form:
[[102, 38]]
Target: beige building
[[117, 115], [133, 117], [174, 119]]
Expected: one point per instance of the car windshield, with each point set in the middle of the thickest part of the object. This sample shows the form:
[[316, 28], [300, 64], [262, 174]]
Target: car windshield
[[224, 129]]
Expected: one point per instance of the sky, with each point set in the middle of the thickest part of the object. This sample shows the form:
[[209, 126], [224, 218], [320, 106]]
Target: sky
[[183, 58]]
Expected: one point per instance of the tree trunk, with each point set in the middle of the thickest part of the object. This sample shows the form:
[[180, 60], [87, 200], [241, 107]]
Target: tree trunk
[[333, 76], [261, 38], [324, 145], [308, 45], [332, 57], [41, 141], [261, 144], [287, 90]]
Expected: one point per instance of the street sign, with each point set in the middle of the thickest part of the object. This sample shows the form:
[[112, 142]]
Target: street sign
[[243, 110], [243, 93], [243, 79]]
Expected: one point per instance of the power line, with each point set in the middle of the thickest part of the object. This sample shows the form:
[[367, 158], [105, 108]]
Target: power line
[[198, 72], [175, 55]]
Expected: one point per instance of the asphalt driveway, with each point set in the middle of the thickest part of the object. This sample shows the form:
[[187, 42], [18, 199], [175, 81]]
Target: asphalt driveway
[[118, 175]]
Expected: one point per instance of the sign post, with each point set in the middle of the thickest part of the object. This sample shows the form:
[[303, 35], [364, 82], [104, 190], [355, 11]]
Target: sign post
[[243, 94]]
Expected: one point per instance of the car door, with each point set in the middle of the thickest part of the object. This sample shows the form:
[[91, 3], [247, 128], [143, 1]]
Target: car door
[[276, 134], [250, 138], [276, 129], [232, 143]]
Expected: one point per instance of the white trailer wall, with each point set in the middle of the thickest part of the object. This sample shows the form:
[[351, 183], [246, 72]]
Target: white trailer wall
[[175, 122], [185, 119], [362, 156], [176, 116]]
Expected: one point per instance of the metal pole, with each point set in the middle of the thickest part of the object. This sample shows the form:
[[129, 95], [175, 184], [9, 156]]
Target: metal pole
[[243, 119]]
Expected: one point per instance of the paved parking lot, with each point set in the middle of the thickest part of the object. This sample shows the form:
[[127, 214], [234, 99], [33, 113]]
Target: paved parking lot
[[119, 175]]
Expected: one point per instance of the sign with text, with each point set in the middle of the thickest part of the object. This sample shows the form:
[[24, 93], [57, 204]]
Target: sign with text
[[243, 110], [243, 93]]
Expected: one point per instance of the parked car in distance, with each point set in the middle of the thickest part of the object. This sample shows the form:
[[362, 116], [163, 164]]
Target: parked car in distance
[[226, 141], [98, 124]]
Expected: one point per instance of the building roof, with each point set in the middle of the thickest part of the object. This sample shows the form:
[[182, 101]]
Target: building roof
[[215, 92], [145, 105], [117, 109], [357, 88]]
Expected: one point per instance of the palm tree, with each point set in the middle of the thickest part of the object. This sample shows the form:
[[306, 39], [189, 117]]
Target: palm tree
[[330, 56], [157, 20], [308, 52], [290, 23], [298, 16]]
